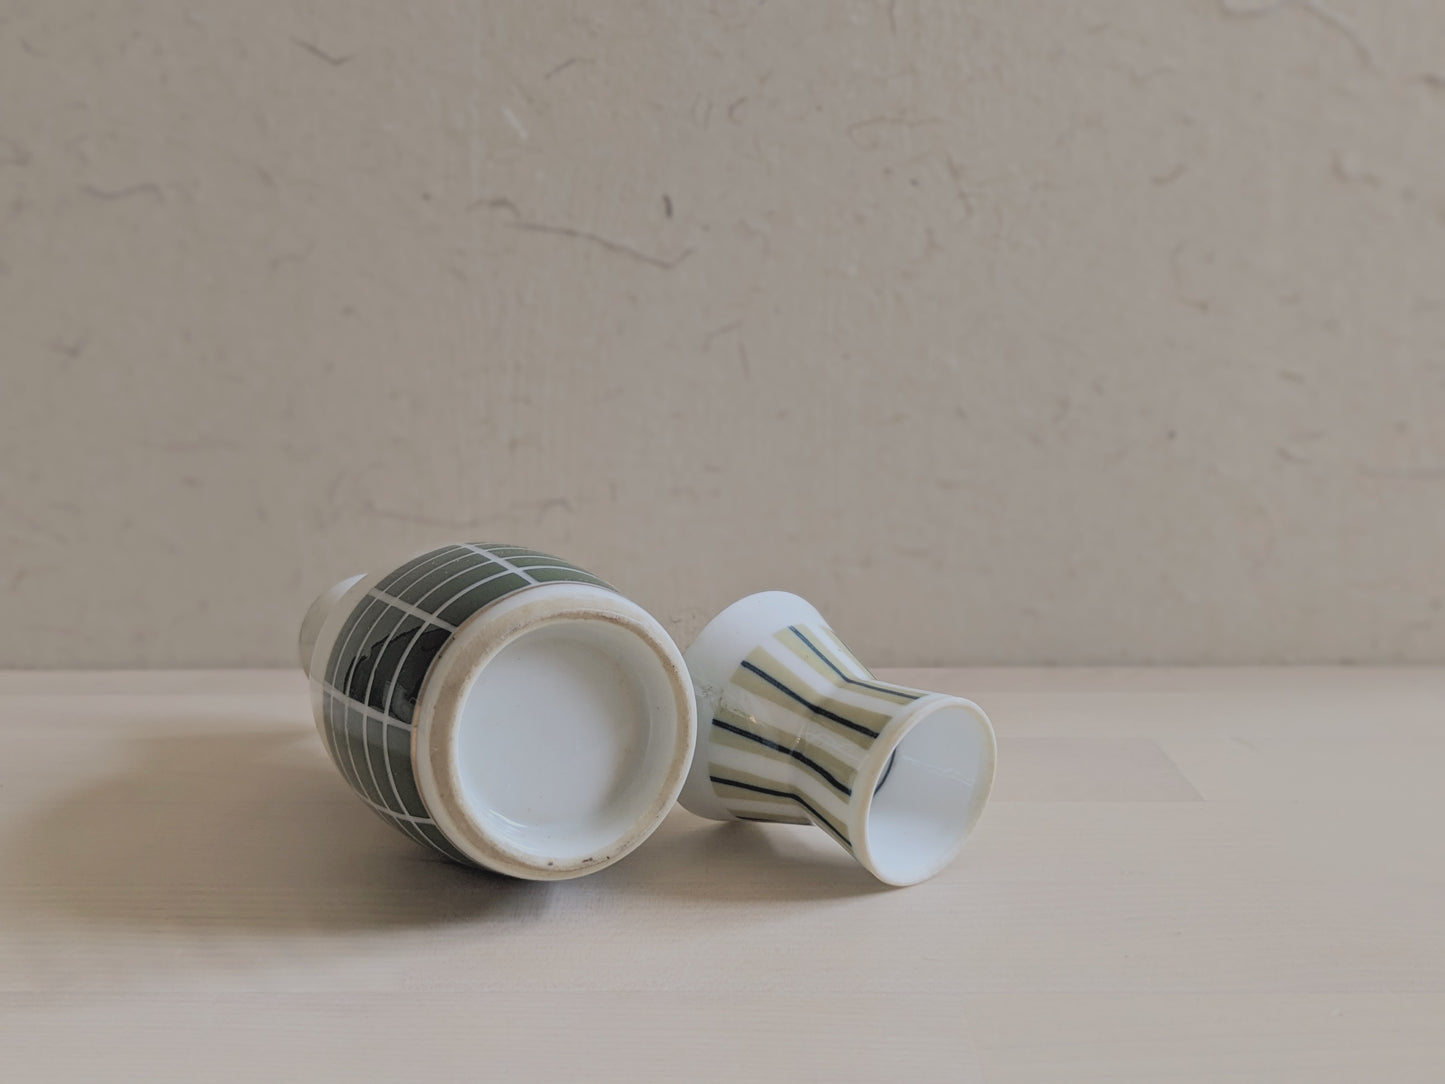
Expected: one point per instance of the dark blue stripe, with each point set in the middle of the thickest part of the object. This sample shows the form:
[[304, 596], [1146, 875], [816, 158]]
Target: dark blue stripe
[[851, 681], [824, 821], [809, 763], [814, 708], [887, 771]]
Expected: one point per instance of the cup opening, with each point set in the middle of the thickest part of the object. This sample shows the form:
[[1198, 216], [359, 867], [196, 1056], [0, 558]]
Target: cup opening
[[932, 788], [564, 740]]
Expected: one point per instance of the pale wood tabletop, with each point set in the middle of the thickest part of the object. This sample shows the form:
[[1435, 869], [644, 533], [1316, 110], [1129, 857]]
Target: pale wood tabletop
[[1184, 875]]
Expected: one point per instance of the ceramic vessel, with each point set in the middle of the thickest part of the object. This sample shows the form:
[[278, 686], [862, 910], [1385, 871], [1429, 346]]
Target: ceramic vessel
[[501, 706], [793, 728]]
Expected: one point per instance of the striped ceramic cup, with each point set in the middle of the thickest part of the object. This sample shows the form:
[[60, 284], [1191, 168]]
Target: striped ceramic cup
[[793, 728], [501, 706]]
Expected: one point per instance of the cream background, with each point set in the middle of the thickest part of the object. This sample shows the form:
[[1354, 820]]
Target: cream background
[[1035, 332]]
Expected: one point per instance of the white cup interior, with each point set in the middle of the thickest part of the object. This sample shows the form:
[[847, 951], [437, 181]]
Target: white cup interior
[[565, 738], [930, 795]]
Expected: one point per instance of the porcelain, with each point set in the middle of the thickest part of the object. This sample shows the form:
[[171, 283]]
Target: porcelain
[[501, 706], [793, 728]]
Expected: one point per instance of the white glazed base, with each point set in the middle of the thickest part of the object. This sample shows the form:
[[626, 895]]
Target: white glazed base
[[553, 732]]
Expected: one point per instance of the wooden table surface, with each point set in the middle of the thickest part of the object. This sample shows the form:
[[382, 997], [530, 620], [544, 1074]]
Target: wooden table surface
[[1184, 875]]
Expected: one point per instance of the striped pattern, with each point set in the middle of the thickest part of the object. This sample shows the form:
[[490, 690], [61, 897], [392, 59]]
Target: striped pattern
[[793, 726], [373, 680]]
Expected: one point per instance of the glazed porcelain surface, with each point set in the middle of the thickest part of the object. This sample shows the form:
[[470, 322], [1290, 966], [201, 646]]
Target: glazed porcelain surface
[[794, 728], [501, 706]]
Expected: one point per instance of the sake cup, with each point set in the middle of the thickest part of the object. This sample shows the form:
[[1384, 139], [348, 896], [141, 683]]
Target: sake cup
[[501, 706], [794, 728]]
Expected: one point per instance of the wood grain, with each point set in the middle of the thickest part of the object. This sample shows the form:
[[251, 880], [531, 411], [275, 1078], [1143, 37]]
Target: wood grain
[[1185, 875]]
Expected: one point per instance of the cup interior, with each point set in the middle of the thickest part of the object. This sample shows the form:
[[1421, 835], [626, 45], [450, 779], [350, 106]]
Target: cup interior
[[565, 739], [931, 794]]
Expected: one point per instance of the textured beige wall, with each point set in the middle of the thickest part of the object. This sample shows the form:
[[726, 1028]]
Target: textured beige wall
[[1011, 332]]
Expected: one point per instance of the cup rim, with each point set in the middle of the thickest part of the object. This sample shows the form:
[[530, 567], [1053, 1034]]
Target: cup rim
[[877, 763]]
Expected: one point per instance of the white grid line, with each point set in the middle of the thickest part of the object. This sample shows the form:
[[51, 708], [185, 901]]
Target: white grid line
[[502, 561], [390, 692], [326, 731], [365, 748], [365, 709], [469, 587], [442, 583], [413, 610], [424, 563], [560, 568], [405, 818], [350, 751], [387, 720], [367, 713]]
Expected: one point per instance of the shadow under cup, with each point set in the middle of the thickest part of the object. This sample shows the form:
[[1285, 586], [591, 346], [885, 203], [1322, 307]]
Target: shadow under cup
[[503, 707]]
